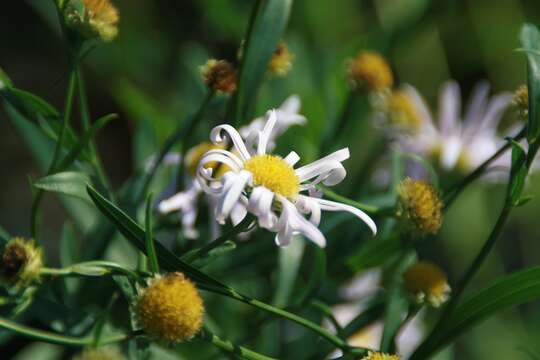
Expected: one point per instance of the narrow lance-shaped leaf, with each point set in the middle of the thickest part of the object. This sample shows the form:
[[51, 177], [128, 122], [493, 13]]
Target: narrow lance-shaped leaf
[[70, 183], [530, 41]]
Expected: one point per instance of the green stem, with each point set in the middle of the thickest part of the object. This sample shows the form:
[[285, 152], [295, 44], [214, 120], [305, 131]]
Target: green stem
[[149, 234], [452, 193], [279, 312], [77, 269], [85, 117], [57, 151], [232, 348], [185, 129], [54, 338]]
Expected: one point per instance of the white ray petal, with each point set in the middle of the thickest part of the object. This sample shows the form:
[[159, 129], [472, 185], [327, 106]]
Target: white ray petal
[[323, 165], [450, 108], [336, 206], [266, 133], [292, 158], [217, 138], [233, 186]]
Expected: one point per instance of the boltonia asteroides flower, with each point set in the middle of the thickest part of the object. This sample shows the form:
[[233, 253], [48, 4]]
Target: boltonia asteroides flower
[[186, 202], [269, 186]]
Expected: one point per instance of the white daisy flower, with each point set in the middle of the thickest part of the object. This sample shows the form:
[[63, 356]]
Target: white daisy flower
[[287, 115], [269, 187], [187, 201], [457, 141]]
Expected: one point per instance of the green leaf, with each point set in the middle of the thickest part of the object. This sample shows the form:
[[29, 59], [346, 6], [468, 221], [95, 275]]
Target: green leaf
[[511, 290], [149, 238], [68, 183], [266, 29], [5, 81], [317, 275], [530, 41], [30, 103], [518, 173], [136, 235], [373, 253], [290, 258]]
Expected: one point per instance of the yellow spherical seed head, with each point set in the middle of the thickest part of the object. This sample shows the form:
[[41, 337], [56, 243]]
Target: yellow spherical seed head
[[427, 282], [379, 356], [521, 101], [370, 71], [281, 61], [170, 308], [402, 112], [195, 154], [99, 354], [219, 75], [273, 173], [94, 19], [21, 263], [420, 205]]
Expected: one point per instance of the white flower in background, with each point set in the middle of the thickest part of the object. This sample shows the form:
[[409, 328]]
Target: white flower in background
[[186, 202], [269, 187], [456, 141], [287, 116], [358, 292]]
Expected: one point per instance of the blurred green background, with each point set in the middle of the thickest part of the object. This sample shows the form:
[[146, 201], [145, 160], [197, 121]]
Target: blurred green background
[[150, 74]]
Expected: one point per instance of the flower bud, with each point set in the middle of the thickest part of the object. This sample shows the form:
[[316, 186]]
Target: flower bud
[[521, 101], [92, 18], [219, 75], [369, 71], [281, 61], [21, 263], [419, 206], [170, 308], [428, 283]]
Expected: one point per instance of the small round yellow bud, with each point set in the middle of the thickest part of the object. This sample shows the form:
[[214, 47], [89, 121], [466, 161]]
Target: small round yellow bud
[[92, 18], [219, 75], [427, 282], [99, 354], [420, 206], [521, 101], [170, 308], [379, 356], [22, 261], [370, 71], [281, 61], [402, 112]]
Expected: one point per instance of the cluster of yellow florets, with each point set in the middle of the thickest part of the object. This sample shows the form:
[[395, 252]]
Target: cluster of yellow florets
[[170, 308], [420, 205], [281, 61], [401, 111], [521, 101], [380, 356], [99, 354], [427, 282], [92, 18], [195, 154], [219, 75], [370, 71], [21, 263], [273, 173]]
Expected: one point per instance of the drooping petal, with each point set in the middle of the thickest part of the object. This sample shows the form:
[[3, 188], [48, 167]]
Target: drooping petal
[[233, 186], [293, 219], [217, 138], [307, 205], [336, 206]]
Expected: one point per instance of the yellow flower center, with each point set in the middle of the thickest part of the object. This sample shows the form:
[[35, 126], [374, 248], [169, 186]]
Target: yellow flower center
[[370, 71], [195, 154], [281, 61], [170, 308], [273, 173], [420, 204], [427, 280], [380, 356], [402, 111]]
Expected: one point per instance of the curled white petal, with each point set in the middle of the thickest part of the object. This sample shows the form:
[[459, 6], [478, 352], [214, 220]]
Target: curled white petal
[[216, 137], [233, 186], [322, 166], [336, 206], [293, 222]]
